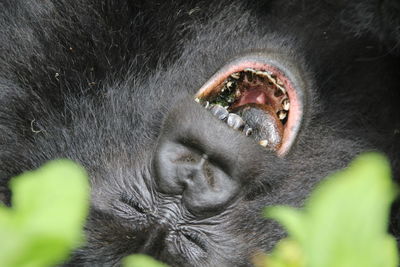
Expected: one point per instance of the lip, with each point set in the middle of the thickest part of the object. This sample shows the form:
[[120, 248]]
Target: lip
[[288, 73]]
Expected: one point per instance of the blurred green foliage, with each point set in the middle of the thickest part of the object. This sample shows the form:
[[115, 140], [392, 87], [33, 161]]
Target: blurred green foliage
[[344, 222], [140, 260], [45, 223]]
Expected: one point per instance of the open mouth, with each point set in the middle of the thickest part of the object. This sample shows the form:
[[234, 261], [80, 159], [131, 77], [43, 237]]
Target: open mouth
[[255, 95]]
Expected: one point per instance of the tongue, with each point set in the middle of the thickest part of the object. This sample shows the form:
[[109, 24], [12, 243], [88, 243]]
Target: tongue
[[264, 122], [252, 96]]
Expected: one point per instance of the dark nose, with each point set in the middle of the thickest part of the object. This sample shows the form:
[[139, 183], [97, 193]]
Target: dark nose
[[203, 159]]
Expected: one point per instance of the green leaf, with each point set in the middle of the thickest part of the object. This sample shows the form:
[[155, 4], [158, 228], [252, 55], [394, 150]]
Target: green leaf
[[344, 222], [140, 260], [49, 207]]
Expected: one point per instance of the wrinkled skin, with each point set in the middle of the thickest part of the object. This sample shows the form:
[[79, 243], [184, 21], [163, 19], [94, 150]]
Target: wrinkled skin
[[110, 84]]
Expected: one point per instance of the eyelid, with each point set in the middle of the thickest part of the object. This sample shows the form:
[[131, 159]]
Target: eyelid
[[132, 202]]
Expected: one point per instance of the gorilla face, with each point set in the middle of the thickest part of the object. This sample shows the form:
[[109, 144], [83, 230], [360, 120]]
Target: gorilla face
[[192, 117]]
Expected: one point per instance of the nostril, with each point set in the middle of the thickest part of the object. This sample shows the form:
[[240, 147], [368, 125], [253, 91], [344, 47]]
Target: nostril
[[209, 175], [203, 185], [186, 158]]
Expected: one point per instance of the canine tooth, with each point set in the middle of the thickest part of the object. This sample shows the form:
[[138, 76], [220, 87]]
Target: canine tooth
[[197, 100], [206, 104], [282, 114], [235, 75], [286, 104], [264, 143], [219, 112], [235, 121]]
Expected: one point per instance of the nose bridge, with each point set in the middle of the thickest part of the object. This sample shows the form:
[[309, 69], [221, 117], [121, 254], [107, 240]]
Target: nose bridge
[[200, 159]]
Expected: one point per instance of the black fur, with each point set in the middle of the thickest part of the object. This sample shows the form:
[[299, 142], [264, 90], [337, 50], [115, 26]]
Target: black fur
[[93, 81]]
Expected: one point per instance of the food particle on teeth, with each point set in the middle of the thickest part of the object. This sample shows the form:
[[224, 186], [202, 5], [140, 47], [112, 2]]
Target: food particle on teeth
[[264, 143]]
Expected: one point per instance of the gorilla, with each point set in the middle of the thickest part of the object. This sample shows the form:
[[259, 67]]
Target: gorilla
[[192, 116]]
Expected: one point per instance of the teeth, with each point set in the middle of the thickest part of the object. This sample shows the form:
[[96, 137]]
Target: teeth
[[249, 70], [197, 100], [286, 104], [206, 104], [230, 99], [260, 73], [219, 112], [279, 82], [282, 114], [230, 85], [235, 121], [247, 130], [235, 75], [283, 90], [238, 93], [264, 143]]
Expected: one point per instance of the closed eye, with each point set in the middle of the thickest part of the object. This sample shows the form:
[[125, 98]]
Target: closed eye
[[133, 203]]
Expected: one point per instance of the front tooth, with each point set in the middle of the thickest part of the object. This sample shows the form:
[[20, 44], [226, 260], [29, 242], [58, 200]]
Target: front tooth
[[235, 121], [235, 75], [282, 114], [286, 104], [264, 143], [219, 112]]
